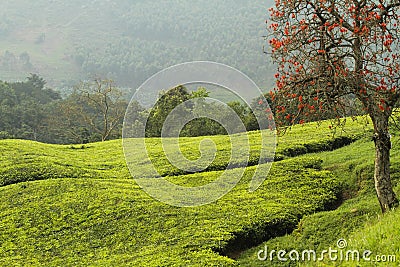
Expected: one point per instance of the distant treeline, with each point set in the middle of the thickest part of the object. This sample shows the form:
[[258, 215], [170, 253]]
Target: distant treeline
[[29, 110], [95, 110]]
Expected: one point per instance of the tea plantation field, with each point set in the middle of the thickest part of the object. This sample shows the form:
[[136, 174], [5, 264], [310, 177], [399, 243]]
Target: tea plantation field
[[79, 206], [358, 220]]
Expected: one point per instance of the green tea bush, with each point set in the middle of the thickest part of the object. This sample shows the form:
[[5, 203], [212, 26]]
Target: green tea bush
[[109, 220], [30, 172], [358, 219], [112, 222], [318, 146]]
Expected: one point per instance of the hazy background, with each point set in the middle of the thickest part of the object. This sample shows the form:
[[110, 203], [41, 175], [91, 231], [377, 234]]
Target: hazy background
[[128, 40]]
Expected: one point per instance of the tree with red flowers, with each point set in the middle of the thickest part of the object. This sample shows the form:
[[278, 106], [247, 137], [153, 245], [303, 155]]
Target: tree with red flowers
[[330, 51]]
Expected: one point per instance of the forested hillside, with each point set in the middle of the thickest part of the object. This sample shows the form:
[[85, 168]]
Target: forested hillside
[[128, 41]]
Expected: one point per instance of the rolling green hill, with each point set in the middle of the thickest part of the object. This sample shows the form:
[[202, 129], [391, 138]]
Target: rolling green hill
[[78, 205], [358, 220]]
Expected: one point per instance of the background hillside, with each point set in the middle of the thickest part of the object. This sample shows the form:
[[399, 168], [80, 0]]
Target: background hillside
[[65, 41]]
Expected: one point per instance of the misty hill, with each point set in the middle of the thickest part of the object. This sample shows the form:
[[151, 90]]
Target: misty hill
[[65, 41]]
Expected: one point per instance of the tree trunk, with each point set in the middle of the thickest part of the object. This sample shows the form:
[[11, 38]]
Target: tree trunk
[[384, 190]]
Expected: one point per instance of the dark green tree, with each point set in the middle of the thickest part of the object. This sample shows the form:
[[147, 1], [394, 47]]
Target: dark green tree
[[166, 103]]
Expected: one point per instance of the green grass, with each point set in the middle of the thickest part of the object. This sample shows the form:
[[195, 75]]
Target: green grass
[[26, 161], [382, 237], [298, 142], [113, 222], [77, 205], [358, 220]]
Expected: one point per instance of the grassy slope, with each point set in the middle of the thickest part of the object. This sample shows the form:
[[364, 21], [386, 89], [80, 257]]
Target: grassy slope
[[27, 161], [101, 222], [358, 220], [108, 220]]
